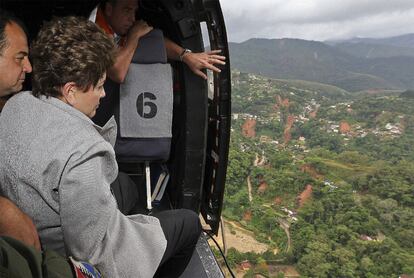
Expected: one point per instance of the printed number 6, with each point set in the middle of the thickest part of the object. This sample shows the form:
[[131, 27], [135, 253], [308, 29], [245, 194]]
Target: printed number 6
[[151, 105]]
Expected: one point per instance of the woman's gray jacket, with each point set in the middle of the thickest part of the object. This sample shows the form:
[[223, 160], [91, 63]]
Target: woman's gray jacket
[[57, 166]]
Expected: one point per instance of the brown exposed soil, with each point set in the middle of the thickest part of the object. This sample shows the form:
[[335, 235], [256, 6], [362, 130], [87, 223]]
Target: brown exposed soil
[[280, 102], [249, 128], [286, 134], [245, 265], [313, 114], [277, 201], [305, 195], [285, 102], [241, 239], [244, 241], [344, 127], [290, 121], [247, 216], [308, 169], [262, 187]]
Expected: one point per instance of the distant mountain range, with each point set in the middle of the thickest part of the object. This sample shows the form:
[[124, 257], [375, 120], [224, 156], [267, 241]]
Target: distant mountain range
[[354, 65], [400, 41]]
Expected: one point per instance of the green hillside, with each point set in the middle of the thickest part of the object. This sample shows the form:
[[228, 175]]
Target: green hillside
[[371, 50], [318, 88], [324, 176], [290, 59], [330, 64]]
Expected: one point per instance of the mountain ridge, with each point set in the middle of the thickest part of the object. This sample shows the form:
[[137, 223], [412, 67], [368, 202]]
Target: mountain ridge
[[405, 40], [321, 62]]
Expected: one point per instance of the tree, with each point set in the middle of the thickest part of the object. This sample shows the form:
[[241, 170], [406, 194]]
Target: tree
[[345, 264], [316, 260]]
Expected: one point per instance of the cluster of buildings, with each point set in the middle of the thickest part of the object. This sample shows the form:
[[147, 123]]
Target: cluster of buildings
[[390, 130]]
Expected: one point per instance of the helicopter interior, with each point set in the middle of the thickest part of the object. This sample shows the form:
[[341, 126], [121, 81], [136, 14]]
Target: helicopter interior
[[201, 110]]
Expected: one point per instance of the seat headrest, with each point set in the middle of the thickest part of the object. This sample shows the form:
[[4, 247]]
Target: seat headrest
[[151, 49]]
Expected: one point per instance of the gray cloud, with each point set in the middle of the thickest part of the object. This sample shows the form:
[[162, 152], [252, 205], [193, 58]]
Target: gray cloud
[[317, 19]]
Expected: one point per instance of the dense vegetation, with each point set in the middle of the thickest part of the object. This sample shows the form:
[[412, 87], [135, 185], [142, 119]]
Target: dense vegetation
[[332, 171]]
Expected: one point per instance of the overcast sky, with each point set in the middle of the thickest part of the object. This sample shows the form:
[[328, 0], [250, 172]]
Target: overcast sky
[[317, 19]]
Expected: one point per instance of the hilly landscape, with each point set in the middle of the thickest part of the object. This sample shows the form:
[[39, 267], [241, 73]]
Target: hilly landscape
[[321, 178], [354, 65]]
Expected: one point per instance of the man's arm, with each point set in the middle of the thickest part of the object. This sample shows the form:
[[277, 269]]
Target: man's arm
[[16, 224], [125, 53], [195, 61]]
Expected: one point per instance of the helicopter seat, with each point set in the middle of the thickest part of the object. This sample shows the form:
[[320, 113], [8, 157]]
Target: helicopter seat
[[145, 111]]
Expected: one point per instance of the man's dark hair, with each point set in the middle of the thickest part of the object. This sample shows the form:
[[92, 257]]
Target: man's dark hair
[[69, 49], [112, 2], [7, 18]]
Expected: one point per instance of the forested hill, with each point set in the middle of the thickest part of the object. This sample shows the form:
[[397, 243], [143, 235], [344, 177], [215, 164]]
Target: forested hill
[[323, 177], [351, 65]]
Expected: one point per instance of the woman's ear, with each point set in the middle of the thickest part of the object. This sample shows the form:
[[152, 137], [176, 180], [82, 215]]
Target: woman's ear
[[68, 93]]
